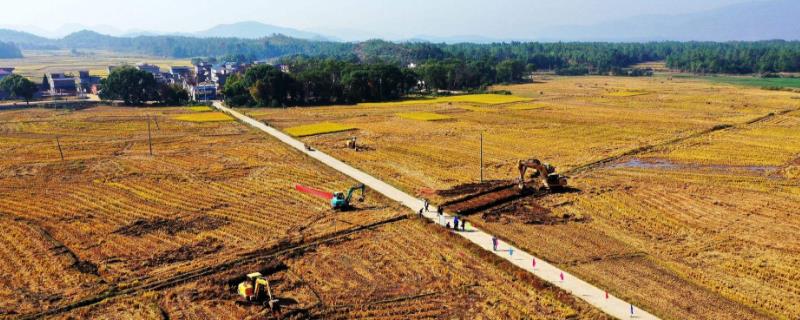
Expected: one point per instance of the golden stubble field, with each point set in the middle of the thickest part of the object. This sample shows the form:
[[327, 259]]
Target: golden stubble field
[[37, 63], [687, 191], [141, 236]]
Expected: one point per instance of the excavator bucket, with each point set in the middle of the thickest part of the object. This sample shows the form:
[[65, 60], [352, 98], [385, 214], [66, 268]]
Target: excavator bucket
[[314, 192]]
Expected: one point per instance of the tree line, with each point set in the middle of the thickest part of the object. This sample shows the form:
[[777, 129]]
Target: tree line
[[9, 50], [318, 82], [17, 86], [135, 87], [561, 57], [736, 57]]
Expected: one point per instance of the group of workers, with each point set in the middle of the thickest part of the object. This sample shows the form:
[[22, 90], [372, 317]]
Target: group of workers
[[440, 212]]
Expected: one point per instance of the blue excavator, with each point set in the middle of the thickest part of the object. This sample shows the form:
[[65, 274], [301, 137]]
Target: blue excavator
[[339, 200]]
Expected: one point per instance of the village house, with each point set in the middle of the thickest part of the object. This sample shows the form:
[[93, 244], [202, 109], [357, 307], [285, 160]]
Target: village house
[[61, 84], [204, 91], [221, 72], [180, 72], [152, 69], [88, 83], [202, 72]]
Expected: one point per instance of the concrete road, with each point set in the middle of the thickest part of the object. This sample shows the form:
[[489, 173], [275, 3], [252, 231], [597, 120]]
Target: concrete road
[[593, 295]]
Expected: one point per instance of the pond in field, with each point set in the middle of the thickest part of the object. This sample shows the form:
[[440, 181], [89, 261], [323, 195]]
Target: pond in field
[[665, 164]]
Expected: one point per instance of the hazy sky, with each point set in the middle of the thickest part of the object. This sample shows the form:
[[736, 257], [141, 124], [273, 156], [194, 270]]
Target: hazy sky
[[491, 18]]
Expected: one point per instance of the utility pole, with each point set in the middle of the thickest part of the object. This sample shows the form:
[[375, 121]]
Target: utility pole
[[58, 142], [149, 136], [481, 156]]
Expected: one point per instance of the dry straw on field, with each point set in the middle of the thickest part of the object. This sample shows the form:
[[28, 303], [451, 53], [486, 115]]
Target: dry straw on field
[[478, 109], [526, 106], [627, 93], [470, 98], [317, 129]]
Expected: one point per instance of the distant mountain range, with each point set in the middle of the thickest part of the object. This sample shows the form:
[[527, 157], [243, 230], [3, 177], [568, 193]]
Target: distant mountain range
[[244, 30], [758, 20], [255, 30]]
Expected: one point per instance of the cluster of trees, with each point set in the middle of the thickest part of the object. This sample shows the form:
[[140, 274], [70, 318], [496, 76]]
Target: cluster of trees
[[9, 50], [566, 58], [136, 87], [17, 86], [736, 57], [318, 81], [462, 74]]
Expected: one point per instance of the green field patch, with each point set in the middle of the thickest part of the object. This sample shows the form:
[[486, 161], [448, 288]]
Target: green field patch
[[423, 116], [205, 117], [317, 129], [200, 109], [756, 82]]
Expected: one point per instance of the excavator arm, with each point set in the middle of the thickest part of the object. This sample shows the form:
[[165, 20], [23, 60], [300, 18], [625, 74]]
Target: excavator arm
[[360, 187], [534, 164]]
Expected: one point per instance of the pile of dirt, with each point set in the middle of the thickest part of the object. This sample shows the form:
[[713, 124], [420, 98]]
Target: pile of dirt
[[472, 188], [185, 253], [527, 211], [171, 226], [473, 204]]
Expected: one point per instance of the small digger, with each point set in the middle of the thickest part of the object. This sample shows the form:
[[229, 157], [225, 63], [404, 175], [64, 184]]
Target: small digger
[[352, 143], [256, 290], [340, 201]]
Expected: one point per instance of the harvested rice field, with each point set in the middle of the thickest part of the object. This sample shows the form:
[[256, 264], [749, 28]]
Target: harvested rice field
[[39, 62], [112, 231], [683, 199], [317, 129]]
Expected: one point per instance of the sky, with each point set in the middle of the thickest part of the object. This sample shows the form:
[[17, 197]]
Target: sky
[[387, 19]]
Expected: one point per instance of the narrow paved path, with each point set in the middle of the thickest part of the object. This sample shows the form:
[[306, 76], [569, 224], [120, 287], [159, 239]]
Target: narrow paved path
[[547, 272]]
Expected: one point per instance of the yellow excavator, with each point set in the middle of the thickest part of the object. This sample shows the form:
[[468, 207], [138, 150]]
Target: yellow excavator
[[352, 143], [545, 176], [256, 290]]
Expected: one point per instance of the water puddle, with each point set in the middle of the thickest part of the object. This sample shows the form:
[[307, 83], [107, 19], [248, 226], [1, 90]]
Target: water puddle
[[664, 164]]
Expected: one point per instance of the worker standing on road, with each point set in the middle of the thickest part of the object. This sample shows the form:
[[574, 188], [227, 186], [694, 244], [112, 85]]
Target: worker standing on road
[[494, 243], [455, 223], [420, 212], [440, 210], [425, 201], [463, 225]]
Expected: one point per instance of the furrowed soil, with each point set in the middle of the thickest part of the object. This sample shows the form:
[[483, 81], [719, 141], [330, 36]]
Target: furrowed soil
[[113, 232], [683, 198]]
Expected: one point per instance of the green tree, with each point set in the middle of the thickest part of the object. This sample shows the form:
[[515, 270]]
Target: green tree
[[19, 87], [434, 74], [173, 95], [269, 86], [45, 83], [132, 86], [510, 70], [236, 92], [357, 86]]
